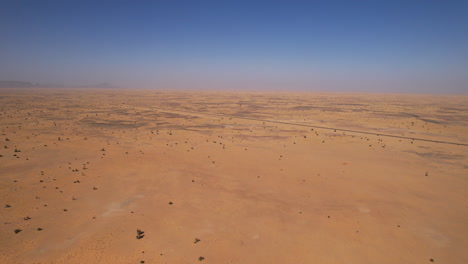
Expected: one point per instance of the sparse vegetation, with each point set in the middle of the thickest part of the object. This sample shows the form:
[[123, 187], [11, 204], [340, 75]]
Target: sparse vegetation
[[140, 234], [268, 173]]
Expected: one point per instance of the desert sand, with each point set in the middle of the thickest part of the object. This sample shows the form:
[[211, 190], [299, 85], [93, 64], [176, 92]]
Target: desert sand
[[232, 177]]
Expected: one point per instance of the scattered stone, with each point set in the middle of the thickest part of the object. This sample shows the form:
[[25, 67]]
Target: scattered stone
[[200, 258], [17, 231], [27, 218], [7, 206], [39, 229], [171, 203], [196, 240]]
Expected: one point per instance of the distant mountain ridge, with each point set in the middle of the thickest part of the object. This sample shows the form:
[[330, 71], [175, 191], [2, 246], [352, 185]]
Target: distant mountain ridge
[[15, 84], [24, 84]]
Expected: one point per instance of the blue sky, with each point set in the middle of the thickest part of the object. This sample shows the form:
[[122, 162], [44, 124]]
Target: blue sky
[[356, 46]]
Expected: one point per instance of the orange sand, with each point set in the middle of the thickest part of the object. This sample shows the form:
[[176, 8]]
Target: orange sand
[[251, 191]]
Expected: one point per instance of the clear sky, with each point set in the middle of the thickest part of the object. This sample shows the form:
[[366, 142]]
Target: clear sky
[[363, 46]]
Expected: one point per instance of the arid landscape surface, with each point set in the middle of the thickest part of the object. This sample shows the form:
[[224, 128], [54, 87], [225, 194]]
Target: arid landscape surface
[[232, 177]]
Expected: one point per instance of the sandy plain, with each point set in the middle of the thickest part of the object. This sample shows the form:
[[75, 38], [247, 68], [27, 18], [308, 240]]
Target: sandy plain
[[232, 177]]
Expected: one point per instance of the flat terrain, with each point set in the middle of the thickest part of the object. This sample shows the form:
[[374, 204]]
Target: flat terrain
[[232, 177]]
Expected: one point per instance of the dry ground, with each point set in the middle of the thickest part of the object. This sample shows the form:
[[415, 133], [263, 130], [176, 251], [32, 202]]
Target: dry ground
[[209, 179]]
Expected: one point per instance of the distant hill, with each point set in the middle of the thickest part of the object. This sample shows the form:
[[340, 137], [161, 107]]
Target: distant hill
[[21, 84], [15, 84]]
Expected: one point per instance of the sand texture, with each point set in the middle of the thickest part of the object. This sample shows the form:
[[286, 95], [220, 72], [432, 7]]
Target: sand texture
[[232, 177]]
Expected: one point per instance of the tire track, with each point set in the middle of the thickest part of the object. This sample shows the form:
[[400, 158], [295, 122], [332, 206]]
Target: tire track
[[195, 113]]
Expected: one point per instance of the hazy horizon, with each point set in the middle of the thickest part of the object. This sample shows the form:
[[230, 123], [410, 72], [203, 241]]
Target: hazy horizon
[[336, 46]]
